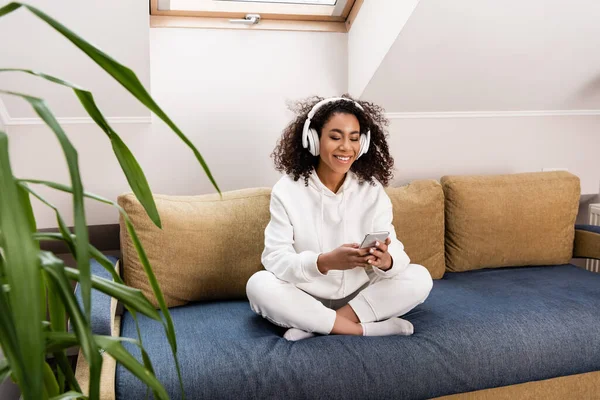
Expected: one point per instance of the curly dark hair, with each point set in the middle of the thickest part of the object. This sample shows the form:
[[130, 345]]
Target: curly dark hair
[[290, 157]]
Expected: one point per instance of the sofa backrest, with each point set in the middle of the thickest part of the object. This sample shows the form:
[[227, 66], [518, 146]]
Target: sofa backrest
[[209, 247], [510, 220], [419, 223]]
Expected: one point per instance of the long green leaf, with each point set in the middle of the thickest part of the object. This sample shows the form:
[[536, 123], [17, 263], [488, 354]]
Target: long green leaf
[[131, 168], [112, 345], [23, 277], [94, 252], [4, 370], [9, 8], [125, 76], [26, 203], [56, 308], [137, 244], [58, 322], [67, 370], [82, 239], [50, 383], [119, 353], [55, 269], [64, 340], [62, 226], [69, 396], [60, 377], [8, 336], [129, 296], [107, 264], [169, 327]]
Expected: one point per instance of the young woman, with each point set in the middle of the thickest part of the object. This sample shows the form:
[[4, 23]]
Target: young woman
[[317, 279]]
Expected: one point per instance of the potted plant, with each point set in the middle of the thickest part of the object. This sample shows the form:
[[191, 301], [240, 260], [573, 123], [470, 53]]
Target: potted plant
[[28, 275]]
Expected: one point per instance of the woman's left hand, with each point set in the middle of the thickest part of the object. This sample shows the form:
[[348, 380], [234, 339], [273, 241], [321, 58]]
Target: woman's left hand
[[383, 260]]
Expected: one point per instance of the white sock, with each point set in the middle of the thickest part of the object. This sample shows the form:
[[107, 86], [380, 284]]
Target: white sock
[[297, 334], [392, 326]]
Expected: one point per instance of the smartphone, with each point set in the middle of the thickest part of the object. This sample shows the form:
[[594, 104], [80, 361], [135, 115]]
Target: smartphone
[[371, 238]]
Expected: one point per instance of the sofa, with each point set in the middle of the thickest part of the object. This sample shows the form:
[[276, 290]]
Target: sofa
[[509, 316]]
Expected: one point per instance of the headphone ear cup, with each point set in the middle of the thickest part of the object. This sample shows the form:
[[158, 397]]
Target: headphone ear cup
[[313, 140], [365, 141]]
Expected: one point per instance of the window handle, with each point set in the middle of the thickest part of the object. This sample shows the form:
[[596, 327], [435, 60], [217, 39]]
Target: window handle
[[251, 19]]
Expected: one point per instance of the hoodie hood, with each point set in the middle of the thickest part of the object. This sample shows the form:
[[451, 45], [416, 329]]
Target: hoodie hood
[[350, 183]]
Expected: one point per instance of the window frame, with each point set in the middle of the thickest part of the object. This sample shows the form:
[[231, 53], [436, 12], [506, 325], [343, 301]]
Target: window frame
[[273, 20]]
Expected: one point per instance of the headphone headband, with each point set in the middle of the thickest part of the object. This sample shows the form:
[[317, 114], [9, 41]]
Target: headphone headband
[[316, 107]]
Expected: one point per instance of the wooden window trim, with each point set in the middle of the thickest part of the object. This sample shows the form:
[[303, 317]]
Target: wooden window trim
[[289, 22]]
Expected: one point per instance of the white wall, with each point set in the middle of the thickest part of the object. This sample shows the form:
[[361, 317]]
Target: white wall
[[229, 88], [118, 27], [431, 148], [373, 32], [226, 90]]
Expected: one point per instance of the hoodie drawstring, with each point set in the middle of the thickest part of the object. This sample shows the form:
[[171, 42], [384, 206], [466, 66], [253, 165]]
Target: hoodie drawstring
[[321, 233], [344, 238]]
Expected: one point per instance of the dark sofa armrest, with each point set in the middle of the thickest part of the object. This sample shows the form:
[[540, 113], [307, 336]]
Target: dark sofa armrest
[[587, 242], [102, 313]]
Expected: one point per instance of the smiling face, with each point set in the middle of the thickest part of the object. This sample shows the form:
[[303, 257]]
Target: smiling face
[[339, 144]]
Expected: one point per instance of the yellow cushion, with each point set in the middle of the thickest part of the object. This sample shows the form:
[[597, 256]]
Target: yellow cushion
[[208, 247], [510, 220], [419, 223]]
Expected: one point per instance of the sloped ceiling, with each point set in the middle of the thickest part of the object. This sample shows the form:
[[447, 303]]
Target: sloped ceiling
[[482, 55]]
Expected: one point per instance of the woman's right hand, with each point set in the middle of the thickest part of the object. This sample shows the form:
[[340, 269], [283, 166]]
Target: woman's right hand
[[347, 256]]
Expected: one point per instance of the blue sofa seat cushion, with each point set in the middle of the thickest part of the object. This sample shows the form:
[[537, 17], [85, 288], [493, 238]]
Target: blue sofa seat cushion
[[477, 330]]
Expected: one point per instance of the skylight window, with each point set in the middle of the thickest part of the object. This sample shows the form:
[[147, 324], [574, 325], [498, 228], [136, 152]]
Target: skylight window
[[317, 2], [335, 13]]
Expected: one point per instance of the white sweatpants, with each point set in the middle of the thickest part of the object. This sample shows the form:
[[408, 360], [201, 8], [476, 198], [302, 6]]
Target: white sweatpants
[[285, 305]]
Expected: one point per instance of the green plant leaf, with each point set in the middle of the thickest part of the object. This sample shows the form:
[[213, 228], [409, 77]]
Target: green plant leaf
[[67, 370], [58, 322], [4, 370], [8, 336], [26, 202], [55, 269], [25, 351], [125, 76], [56, 308], [169, 327], [107, 264], [62, 226], [137, 244], [82, 239], [69, 396], [131, 297], [64, 340], [94, 252], [112, 345], [9, 8], [136, 178], [60, 378], [50, 383], [119, 353], [131, 168]]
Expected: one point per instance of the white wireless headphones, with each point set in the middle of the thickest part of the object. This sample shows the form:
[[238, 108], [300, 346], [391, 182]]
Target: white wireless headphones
[[310, 137]]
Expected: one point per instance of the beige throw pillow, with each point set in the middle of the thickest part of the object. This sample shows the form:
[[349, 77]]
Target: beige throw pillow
[[208, 247], [510, 220], [419, 223]]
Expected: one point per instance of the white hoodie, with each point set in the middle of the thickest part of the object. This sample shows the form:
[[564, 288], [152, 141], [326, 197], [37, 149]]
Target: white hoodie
[[308, 221]]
